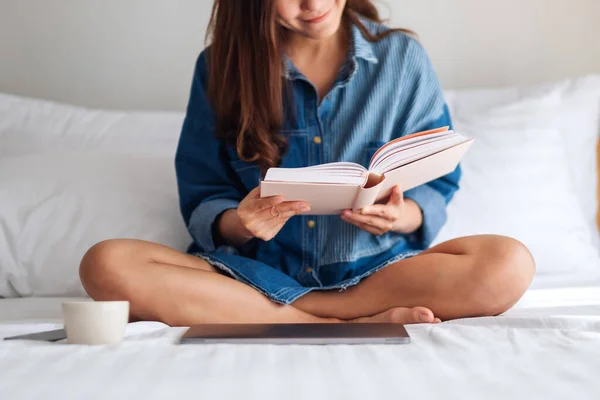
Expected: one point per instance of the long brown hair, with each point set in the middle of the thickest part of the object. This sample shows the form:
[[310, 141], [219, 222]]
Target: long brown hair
[[245, 84]]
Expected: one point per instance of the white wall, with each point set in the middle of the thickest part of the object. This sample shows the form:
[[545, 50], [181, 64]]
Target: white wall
[[140, 53], [505, 42]]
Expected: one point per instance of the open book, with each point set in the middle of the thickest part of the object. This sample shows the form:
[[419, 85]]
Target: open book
[[408, 161]]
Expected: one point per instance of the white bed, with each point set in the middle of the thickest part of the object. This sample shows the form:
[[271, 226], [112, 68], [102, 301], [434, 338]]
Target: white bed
[[533, 352], [70, 177], [546, 347]]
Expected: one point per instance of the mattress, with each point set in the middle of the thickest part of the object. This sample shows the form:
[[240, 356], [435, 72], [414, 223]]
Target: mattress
[[554, 292], [547, 347]]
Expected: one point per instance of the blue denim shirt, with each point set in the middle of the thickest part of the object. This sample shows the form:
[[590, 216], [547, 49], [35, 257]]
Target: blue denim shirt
[[385, 90]]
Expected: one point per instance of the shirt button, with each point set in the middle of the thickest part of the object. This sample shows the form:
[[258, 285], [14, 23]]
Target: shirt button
[[309, 270], [317, 140], [311, 224]]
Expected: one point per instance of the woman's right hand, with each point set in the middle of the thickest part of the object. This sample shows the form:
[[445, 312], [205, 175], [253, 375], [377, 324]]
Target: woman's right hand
[[263, 218]]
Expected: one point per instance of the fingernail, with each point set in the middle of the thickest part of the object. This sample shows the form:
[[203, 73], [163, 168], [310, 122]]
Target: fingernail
[[302, 206], [425, 317], [305, 209]]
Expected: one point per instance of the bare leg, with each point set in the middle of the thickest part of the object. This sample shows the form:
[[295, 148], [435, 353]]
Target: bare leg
[[165, 285], [466, 277]]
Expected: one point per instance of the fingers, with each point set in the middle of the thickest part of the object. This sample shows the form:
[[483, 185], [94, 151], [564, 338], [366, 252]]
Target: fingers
[[264, 217], [396, 197], [262, 229], [259, 204], [372, 220], [370, 223], [378, 218], [269, 228], [390, 210], [285, 215], [283, 210], [268, 222], [371, 229], [254, 193], [380, 210]]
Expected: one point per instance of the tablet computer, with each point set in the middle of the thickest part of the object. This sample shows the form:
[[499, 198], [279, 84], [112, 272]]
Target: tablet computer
[[48, 336], [297, 334]]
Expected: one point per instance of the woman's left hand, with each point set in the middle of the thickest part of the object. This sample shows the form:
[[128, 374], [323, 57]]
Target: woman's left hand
[[379, 219]]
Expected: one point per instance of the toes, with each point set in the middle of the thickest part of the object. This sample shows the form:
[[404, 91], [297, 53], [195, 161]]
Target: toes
[[422, 315], [401, 315]]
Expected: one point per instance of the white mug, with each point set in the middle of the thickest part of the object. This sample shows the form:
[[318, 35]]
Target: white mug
[[95, 322]]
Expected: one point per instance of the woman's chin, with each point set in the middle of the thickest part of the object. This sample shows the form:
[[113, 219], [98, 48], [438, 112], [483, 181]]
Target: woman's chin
[[319, 33]]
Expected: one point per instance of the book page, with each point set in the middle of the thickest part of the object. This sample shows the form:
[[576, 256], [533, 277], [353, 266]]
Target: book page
[[405, 156], [340, 173], [424, 169], [410, 144], [415, 137], [346, 166]]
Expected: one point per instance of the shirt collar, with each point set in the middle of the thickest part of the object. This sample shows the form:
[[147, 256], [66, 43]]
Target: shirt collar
[[359, 48]]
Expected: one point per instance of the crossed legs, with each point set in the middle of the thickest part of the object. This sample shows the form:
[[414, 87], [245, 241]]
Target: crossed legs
[[465, 277]]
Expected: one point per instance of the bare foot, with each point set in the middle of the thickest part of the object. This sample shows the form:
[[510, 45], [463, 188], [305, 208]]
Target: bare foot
[[401, 315]]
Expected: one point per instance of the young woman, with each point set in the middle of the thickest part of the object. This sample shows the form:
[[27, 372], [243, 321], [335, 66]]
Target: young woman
[[295, 83]]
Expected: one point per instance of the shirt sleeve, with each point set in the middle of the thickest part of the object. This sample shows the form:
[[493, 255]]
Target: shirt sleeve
[[206, 181], [425, 109]]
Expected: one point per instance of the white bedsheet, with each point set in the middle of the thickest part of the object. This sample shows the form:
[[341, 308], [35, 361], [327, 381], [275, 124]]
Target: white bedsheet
[[555, 292], [533, 352]]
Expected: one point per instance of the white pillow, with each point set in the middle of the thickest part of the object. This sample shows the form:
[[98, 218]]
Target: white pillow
[[71, 177], [55, 206], [517, 181], [577, 119], [29, 126]]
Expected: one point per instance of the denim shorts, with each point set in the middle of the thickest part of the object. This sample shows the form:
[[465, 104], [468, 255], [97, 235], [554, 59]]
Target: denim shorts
[[284, 289]]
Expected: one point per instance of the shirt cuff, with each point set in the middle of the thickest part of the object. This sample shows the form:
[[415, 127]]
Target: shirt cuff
[[433, 206], [202, 219]]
